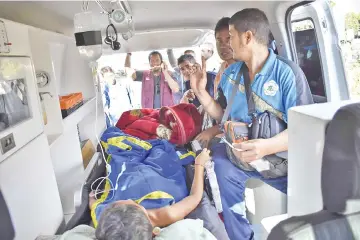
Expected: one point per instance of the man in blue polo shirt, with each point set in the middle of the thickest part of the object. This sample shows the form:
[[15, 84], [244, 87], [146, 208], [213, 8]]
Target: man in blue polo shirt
[[277, 85]]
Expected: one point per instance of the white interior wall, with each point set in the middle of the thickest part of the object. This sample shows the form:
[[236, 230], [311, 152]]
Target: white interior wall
[[77, 73], [68, 166], [27, 177], [33, 177], [41, 57], [29, 186]]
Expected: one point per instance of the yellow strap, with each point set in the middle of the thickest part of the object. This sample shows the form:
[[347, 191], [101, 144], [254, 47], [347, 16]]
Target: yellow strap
[[155, 195], [187, 155], [118, 142]]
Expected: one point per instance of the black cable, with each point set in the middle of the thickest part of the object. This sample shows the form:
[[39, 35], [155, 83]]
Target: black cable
[[112, 41]]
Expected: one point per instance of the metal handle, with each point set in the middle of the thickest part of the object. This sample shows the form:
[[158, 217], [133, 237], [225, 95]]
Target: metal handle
[[44, 93]]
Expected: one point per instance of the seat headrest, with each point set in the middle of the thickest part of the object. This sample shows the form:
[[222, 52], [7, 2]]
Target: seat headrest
[[7, 231], [340, 176]]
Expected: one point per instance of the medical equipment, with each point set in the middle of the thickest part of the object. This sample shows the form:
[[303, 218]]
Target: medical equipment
[[88, 36], [115, 19], [89, 43], [42, 78], [88, 27], [121, 20], [20, 118]]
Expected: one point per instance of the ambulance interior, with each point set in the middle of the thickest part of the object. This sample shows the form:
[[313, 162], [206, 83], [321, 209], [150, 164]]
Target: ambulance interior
[[42, 173]]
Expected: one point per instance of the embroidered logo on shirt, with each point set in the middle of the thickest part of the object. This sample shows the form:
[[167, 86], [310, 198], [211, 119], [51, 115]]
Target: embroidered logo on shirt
[[271, 88]]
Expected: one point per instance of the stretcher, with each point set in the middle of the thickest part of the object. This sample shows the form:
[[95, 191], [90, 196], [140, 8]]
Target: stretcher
[[206, 210]]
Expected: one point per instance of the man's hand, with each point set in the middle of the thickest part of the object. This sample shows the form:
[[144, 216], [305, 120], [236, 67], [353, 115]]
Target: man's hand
[[164, 67], [188, 95], [251, 150], [205, 137], [203, 157], [198, 78]]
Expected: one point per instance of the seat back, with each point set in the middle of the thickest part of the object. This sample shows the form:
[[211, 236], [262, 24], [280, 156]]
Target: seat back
[[7, 231], [340, 178]]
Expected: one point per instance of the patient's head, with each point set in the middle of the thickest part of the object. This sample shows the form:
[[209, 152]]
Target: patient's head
[[124, 220]]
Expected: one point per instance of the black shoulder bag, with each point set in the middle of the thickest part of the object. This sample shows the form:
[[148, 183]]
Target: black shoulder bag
[[265, 125]]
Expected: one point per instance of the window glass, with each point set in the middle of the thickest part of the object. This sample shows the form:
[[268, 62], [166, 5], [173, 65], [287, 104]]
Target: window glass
[[14, 106], [308, 55]]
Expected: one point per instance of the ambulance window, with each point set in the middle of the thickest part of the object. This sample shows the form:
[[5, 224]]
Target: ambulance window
[[308, 54]]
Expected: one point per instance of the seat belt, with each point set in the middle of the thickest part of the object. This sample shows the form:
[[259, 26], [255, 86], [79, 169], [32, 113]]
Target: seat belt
[[232, 97]]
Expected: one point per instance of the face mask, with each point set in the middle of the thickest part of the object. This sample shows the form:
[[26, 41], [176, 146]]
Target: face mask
[[207, 50], [109, 75]]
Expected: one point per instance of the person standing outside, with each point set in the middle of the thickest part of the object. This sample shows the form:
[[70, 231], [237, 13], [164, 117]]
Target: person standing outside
[[158, 83]]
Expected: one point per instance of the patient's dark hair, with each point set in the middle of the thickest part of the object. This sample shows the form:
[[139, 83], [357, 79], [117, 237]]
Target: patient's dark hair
[[123, 222], [186, 57], [254, 20], [155, 53]]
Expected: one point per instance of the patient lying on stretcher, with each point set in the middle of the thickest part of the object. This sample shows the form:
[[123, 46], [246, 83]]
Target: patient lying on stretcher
[[122, 216]]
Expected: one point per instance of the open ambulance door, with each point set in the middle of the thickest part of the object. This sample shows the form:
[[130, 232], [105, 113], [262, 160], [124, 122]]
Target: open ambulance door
[[316, 49]]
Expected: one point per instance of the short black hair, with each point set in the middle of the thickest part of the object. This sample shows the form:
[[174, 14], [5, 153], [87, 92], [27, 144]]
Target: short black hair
[[186, 57], [155, 53], [222, 24], [254, 20], [123, 222]]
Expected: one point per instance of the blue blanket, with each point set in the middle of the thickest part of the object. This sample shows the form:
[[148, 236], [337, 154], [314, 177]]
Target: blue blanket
[[148, 172]]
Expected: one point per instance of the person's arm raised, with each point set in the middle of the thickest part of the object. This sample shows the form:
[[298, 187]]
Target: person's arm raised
[[198, 80], [168, 215], [174, 86], [128, 69]]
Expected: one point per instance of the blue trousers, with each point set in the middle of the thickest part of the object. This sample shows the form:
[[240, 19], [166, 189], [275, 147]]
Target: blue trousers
[[231, 180]]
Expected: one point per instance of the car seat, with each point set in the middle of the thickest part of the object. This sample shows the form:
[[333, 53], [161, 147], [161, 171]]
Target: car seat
[[340, 178]]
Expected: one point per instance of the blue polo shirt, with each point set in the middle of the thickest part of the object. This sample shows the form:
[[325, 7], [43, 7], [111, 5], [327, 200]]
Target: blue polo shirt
[[280, 85]]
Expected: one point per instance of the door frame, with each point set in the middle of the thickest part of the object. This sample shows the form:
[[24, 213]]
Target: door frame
[[332, 64]]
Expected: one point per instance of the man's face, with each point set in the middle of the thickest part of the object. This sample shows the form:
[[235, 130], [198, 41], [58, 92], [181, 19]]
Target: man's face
[[155, 62], [185, 68], [223, 44], [108, 75], [240, 44]]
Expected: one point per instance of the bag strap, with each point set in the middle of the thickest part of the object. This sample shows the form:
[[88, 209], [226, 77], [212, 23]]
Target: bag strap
[[249, 96], [232, 97]]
